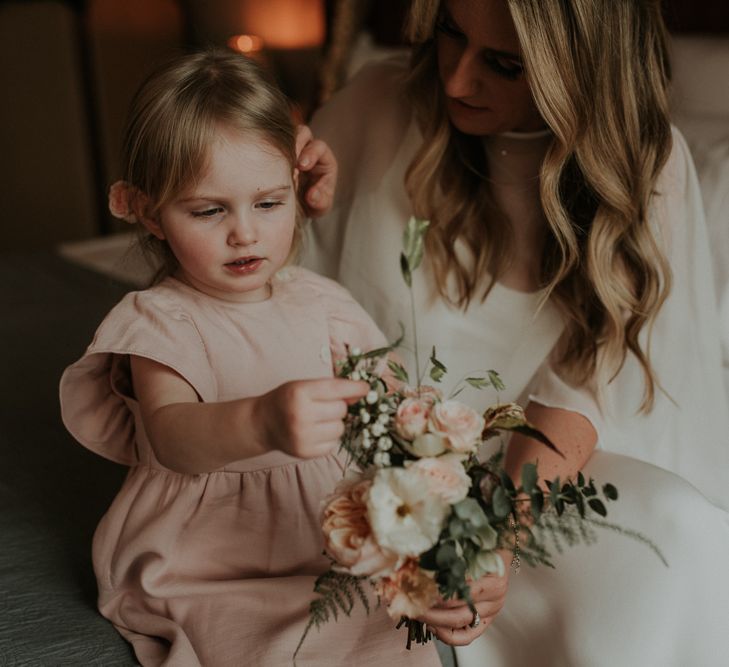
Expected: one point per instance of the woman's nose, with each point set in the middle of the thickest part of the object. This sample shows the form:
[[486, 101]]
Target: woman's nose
[[463, 78], [242, 232]]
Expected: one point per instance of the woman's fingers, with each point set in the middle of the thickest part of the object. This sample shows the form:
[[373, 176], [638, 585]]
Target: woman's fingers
[[316, 172]]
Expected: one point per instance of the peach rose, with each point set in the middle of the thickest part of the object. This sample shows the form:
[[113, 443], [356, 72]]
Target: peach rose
[[120, 195], [411, 418], [409, 591], [459, 424], [444, 475], [348, 538], [424, 393]]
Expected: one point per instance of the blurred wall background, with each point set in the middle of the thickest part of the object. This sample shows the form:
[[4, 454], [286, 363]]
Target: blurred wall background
[[68, 70]]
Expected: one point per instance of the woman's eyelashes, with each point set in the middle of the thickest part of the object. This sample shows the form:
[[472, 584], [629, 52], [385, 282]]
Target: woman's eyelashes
[[445, 25], [505, 67]]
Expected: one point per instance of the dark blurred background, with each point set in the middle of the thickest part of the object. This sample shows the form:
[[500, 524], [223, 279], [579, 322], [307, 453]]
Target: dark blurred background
[[68, 70]]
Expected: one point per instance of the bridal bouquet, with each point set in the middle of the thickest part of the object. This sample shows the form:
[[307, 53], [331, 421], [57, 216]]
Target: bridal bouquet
[[418, 515]]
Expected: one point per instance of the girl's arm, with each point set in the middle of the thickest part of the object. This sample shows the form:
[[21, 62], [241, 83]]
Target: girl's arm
[[576, 438], [302, 418]]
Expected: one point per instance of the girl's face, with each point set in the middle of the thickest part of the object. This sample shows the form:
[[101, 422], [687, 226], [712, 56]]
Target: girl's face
[[480, 67], [231, 230]]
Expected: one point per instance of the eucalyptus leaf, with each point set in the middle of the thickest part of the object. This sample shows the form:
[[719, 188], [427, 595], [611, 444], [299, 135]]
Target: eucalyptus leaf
[[596, 505], [436, 374], [496, 381], [611, 493], [501, 503], [446, 555], [398, 371], [528, 477], [413, 242], [478, 383], [407, 275]]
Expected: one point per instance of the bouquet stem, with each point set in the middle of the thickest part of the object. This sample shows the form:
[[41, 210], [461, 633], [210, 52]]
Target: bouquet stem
[[417, 631]]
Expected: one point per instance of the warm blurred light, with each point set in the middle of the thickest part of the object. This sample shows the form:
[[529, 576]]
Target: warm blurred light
[[245, 43], [285, 24]]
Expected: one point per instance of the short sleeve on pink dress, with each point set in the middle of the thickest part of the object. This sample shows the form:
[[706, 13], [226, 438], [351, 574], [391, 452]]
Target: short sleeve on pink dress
[[97, 401]]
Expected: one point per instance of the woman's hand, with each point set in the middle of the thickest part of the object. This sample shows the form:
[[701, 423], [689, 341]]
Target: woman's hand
[[451, 620], [304, 418], [316, 171]]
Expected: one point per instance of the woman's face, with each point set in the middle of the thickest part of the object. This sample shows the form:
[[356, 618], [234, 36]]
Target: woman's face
[[481, 71]]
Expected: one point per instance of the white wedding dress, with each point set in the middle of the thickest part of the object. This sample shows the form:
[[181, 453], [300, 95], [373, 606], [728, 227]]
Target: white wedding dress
[[613, 603]]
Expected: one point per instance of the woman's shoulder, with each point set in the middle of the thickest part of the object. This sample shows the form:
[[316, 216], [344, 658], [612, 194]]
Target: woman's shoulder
[[679, 169], [373, 97]]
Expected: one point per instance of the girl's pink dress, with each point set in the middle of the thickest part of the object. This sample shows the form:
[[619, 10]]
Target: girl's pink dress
[[218, 569]]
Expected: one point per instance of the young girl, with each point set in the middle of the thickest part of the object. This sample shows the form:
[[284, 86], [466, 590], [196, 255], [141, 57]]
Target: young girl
[[215, 386]]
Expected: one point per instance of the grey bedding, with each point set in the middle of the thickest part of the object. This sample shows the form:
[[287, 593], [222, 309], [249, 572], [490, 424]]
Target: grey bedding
[[52, 491]]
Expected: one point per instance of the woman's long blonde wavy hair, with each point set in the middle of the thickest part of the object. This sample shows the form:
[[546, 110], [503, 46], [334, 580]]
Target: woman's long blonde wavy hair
[[598, 71]]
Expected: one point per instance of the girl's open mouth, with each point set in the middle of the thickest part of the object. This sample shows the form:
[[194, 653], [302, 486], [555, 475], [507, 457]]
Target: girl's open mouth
[[244, 265]]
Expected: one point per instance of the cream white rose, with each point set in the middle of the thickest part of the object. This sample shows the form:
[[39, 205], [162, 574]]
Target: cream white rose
[[404, 515]]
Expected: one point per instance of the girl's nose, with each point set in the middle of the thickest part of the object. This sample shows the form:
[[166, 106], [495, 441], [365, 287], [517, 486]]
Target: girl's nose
[[463, 78], [242, 232]]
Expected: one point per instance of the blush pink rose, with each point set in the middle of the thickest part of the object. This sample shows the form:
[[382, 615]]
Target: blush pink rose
[[444, 475], [424, 393], [460, 425], [411, 418], [348, 538], [409, 591], [120, 197]]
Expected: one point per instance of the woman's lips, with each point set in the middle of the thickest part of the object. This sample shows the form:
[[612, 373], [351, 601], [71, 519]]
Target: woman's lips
[[244, 265], [464, 107]]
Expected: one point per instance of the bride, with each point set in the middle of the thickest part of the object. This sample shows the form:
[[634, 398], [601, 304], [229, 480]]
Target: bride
[[567, 250]]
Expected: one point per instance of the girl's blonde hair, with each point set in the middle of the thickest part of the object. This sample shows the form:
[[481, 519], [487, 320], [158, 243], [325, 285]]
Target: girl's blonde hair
[[598, 71], [175, 117]]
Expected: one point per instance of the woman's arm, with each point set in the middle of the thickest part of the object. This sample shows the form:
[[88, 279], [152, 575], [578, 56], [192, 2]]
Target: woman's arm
[[576, 438], [302, 418], [572, 434]]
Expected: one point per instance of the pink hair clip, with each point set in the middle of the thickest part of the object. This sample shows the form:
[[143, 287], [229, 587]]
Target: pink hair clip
[[120, 199]]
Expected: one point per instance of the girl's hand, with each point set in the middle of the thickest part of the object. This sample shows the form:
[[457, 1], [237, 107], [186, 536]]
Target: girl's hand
[[304, 418], [451, 620], [316, 170]]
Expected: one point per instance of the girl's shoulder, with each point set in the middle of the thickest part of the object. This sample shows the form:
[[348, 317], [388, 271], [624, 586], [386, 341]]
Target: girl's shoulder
[[143, 318], [347, 321]]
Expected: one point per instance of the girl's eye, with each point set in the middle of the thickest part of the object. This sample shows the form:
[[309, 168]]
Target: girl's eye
[[505, 67], [208, 212], [269, 204]]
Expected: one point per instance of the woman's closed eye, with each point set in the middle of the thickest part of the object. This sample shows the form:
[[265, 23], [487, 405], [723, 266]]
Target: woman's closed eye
[[445, 25], [508, 68]]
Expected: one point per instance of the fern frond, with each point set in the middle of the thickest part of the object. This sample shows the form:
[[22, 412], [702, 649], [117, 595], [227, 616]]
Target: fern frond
[[338, 592], [634, 534]]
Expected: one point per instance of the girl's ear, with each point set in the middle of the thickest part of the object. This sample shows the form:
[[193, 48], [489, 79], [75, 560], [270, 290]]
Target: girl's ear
[[150, 220], [152, 226]]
